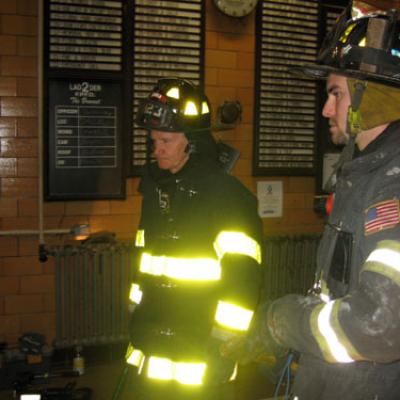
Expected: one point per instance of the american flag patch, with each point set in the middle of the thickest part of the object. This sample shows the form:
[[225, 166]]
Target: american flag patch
[[381, 216]]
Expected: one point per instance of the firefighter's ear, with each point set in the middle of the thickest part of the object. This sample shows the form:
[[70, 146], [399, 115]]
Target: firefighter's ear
[[190, 148]]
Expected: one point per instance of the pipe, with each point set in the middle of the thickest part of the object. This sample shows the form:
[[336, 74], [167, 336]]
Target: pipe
[[40, 37], [41, 233]]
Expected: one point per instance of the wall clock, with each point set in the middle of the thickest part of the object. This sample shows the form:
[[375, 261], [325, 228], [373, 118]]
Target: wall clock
[[236, 8]]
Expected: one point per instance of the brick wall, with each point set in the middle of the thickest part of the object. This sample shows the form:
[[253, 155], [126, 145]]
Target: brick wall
[[26, 285]]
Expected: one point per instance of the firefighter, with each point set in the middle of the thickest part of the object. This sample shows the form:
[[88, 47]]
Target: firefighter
[[346, 331], [199, 252]]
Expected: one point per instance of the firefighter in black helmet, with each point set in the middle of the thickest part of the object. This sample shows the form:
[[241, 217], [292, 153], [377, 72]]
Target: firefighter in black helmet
[[347, 329], [199, 253]]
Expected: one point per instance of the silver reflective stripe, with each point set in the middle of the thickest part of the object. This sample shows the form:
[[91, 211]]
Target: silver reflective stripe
[[388, 257], [338, 351]]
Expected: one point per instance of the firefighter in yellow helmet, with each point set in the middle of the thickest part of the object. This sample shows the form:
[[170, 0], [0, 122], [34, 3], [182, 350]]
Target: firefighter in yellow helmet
[[199, 253], [347, 330]]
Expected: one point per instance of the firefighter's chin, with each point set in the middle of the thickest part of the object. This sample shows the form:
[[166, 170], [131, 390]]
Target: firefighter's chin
[[163, 163], [338, 137]]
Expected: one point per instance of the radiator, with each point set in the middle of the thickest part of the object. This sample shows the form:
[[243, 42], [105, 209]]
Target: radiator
[[289, 265], [92, 294], [92, 285]]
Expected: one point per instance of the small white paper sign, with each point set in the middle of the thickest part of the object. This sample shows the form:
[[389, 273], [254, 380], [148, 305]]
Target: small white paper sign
[[269, 194]]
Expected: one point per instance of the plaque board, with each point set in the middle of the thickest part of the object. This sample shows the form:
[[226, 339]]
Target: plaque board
[[84, 140], [285, 116], [88, 93]]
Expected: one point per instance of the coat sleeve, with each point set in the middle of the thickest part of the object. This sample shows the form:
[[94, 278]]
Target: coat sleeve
[[238, 244], [363, 325]]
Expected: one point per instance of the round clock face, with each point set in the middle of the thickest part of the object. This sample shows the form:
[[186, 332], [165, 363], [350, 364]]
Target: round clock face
[[236, 8]]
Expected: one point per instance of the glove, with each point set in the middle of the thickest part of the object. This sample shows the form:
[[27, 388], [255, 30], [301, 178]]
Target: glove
[[219, 369], [257, 344]]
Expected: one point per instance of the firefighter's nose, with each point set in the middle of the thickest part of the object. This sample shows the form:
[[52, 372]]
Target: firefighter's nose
[[329, 110]]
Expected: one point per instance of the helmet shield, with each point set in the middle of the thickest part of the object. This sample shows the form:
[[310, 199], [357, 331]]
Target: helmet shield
[[363, 44], [174, 105]]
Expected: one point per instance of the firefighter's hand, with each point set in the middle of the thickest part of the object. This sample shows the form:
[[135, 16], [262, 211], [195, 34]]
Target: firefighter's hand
[[255, 346], [245, 350]]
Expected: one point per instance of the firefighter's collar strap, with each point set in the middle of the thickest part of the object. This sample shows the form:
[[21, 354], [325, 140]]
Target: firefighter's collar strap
[[354, 118]]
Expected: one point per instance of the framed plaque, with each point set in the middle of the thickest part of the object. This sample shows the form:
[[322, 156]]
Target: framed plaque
[[285, 116], [84, 140], [88, 97]]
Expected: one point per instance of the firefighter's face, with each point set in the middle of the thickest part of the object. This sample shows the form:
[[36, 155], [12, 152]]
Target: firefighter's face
[[336, 108], [169, 150]]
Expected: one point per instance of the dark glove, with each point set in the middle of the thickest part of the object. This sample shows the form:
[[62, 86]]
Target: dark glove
[[257, 344], [219, 369]]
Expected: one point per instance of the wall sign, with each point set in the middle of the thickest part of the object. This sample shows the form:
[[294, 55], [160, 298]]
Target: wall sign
[[84, 146], [285, 119], [270, 199], [88, 96]]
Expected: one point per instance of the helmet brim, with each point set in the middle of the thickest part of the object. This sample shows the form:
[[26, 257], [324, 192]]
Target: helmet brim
[[321, 72]]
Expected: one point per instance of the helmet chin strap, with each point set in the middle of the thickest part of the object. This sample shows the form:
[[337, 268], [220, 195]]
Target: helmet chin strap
[[354, 119]]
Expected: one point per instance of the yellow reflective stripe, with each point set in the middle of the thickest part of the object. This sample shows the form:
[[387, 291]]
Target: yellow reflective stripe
[[385, 260], [191, 269], [135, 294], [233, 316], [139, 241], [234, 373], [134, 356], [174, 93], [186, 373], [238, 243], [204, 108], [347, 32], [326, 336], [190, 108], [189, 373], [183, 372], [160, 368]]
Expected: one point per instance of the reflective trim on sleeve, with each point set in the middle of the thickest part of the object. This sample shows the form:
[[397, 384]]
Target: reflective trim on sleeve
[[134, 356], [385, 260], [232, 316], [237, 243], [135, 294], [324, 295], [139, 240], [329, 335], [189, 269]]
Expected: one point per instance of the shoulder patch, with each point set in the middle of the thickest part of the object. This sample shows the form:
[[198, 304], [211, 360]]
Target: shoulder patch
[[380, 216]]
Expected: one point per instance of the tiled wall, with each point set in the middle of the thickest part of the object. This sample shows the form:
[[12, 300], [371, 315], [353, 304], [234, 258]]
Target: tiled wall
[[26, 285]]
